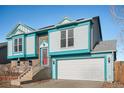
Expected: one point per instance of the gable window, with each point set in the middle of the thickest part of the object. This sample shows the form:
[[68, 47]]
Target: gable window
[[70, 37], [18, 45], [63, 38]]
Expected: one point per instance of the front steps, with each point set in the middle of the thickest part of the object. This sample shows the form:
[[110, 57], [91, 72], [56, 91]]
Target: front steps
[[26, 75], [42, 74], [31, 73]]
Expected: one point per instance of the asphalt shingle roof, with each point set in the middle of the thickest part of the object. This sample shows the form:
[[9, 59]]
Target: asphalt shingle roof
[[103, 46]]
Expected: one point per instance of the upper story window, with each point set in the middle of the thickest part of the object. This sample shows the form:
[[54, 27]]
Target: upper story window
[[70, 37], [63, 38], [67, 38], [18, 45], [15, 45]]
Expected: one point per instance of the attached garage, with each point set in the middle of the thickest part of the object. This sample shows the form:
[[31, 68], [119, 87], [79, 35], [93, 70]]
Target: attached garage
[[81, 69]]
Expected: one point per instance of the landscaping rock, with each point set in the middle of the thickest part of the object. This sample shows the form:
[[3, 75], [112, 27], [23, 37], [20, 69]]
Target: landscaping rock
[[113, 85]]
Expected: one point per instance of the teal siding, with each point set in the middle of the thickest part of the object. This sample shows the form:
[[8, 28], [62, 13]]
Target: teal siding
[[41, 56], [105, 68], [54, 69], [69, 52]]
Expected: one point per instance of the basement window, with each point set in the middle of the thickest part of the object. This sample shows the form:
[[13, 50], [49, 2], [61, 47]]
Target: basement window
[[18, 63], [30, 62]]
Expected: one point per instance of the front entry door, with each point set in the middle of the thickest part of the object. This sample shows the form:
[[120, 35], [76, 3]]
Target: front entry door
[[44, 56], [44, 59]]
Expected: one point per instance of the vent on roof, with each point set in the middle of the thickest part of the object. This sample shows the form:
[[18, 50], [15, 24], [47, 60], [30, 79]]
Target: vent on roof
[[47, 27], [80, 19]]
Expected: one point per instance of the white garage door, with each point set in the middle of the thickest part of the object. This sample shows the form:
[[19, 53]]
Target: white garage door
[[81, 69]]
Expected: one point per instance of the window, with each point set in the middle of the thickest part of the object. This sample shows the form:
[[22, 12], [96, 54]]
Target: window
[[70, 37], [69, 41], [15, 45], [18, 63], [30, 63], [63, 39], [18, 45]]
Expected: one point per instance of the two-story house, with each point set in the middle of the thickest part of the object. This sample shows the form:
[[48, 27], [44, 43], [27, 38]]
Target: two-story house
[[72, 49]]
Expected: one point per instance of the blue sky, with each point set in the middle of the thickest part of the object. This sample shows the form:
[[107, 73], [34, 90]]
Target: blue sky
[[41, 16]]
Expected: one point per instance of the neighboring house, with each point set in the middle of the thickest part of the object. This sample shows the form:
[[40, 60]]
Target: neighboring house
[[72, 49], [3, 53]]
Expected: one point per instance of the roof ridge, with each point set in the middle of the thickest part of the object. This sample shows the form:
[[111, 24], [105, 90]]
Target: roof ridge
[[28, 26]]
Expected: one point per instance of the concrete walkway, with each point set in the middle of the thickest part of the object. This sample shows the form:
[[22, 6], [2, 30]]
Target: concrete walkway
[[64, 84]]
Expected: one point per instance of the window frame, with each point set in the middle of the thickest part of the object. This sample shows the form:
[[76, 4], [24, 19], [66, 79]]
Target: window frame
[[67, 37], [70, 37], [18, 63], [30, 63], [18, 45], [63, 39]]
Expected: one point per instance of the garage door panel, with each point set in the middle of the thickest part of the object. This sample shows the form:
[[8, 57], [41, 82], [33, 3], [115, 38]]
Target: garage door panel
[[81, 69]]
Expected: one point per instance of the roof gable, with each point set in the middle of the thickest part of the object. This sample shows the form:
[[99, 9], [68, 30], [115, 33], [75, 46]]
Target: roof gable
[[66, 20], [20, 29]]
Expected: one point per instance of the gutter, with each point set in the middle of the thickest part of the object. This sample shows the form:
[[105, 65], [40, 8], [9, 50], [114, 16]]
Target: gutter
[[95, 52]]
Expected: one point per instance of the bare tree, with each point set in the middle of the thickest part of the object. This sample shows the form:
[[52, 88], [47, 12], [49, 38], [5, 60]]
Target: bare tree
[[117, 13]]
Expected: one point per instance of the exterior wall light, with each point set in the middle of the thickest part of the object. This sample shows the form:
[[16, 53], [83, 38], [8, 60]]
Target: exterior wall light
[[109, 60]]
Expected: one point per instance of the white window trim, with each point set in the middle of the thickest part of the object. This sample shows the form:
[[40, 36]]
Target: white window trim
[[67, 39], [17, 45]]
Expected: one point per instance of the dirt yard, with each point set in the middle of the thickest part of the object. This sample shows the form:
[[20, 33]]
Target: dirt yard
[[72, 84], [63, 84], [6, 84], [113, 85]]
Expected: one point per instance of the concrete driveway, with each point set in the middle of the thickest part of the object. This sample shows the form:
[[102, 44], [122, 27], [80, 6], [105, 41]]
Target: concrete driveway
[[64, 84]]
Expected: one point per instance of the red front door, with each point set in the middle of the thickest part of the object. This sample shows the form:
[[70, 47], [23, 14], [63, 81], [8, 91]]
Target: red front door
[[45, 56]]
